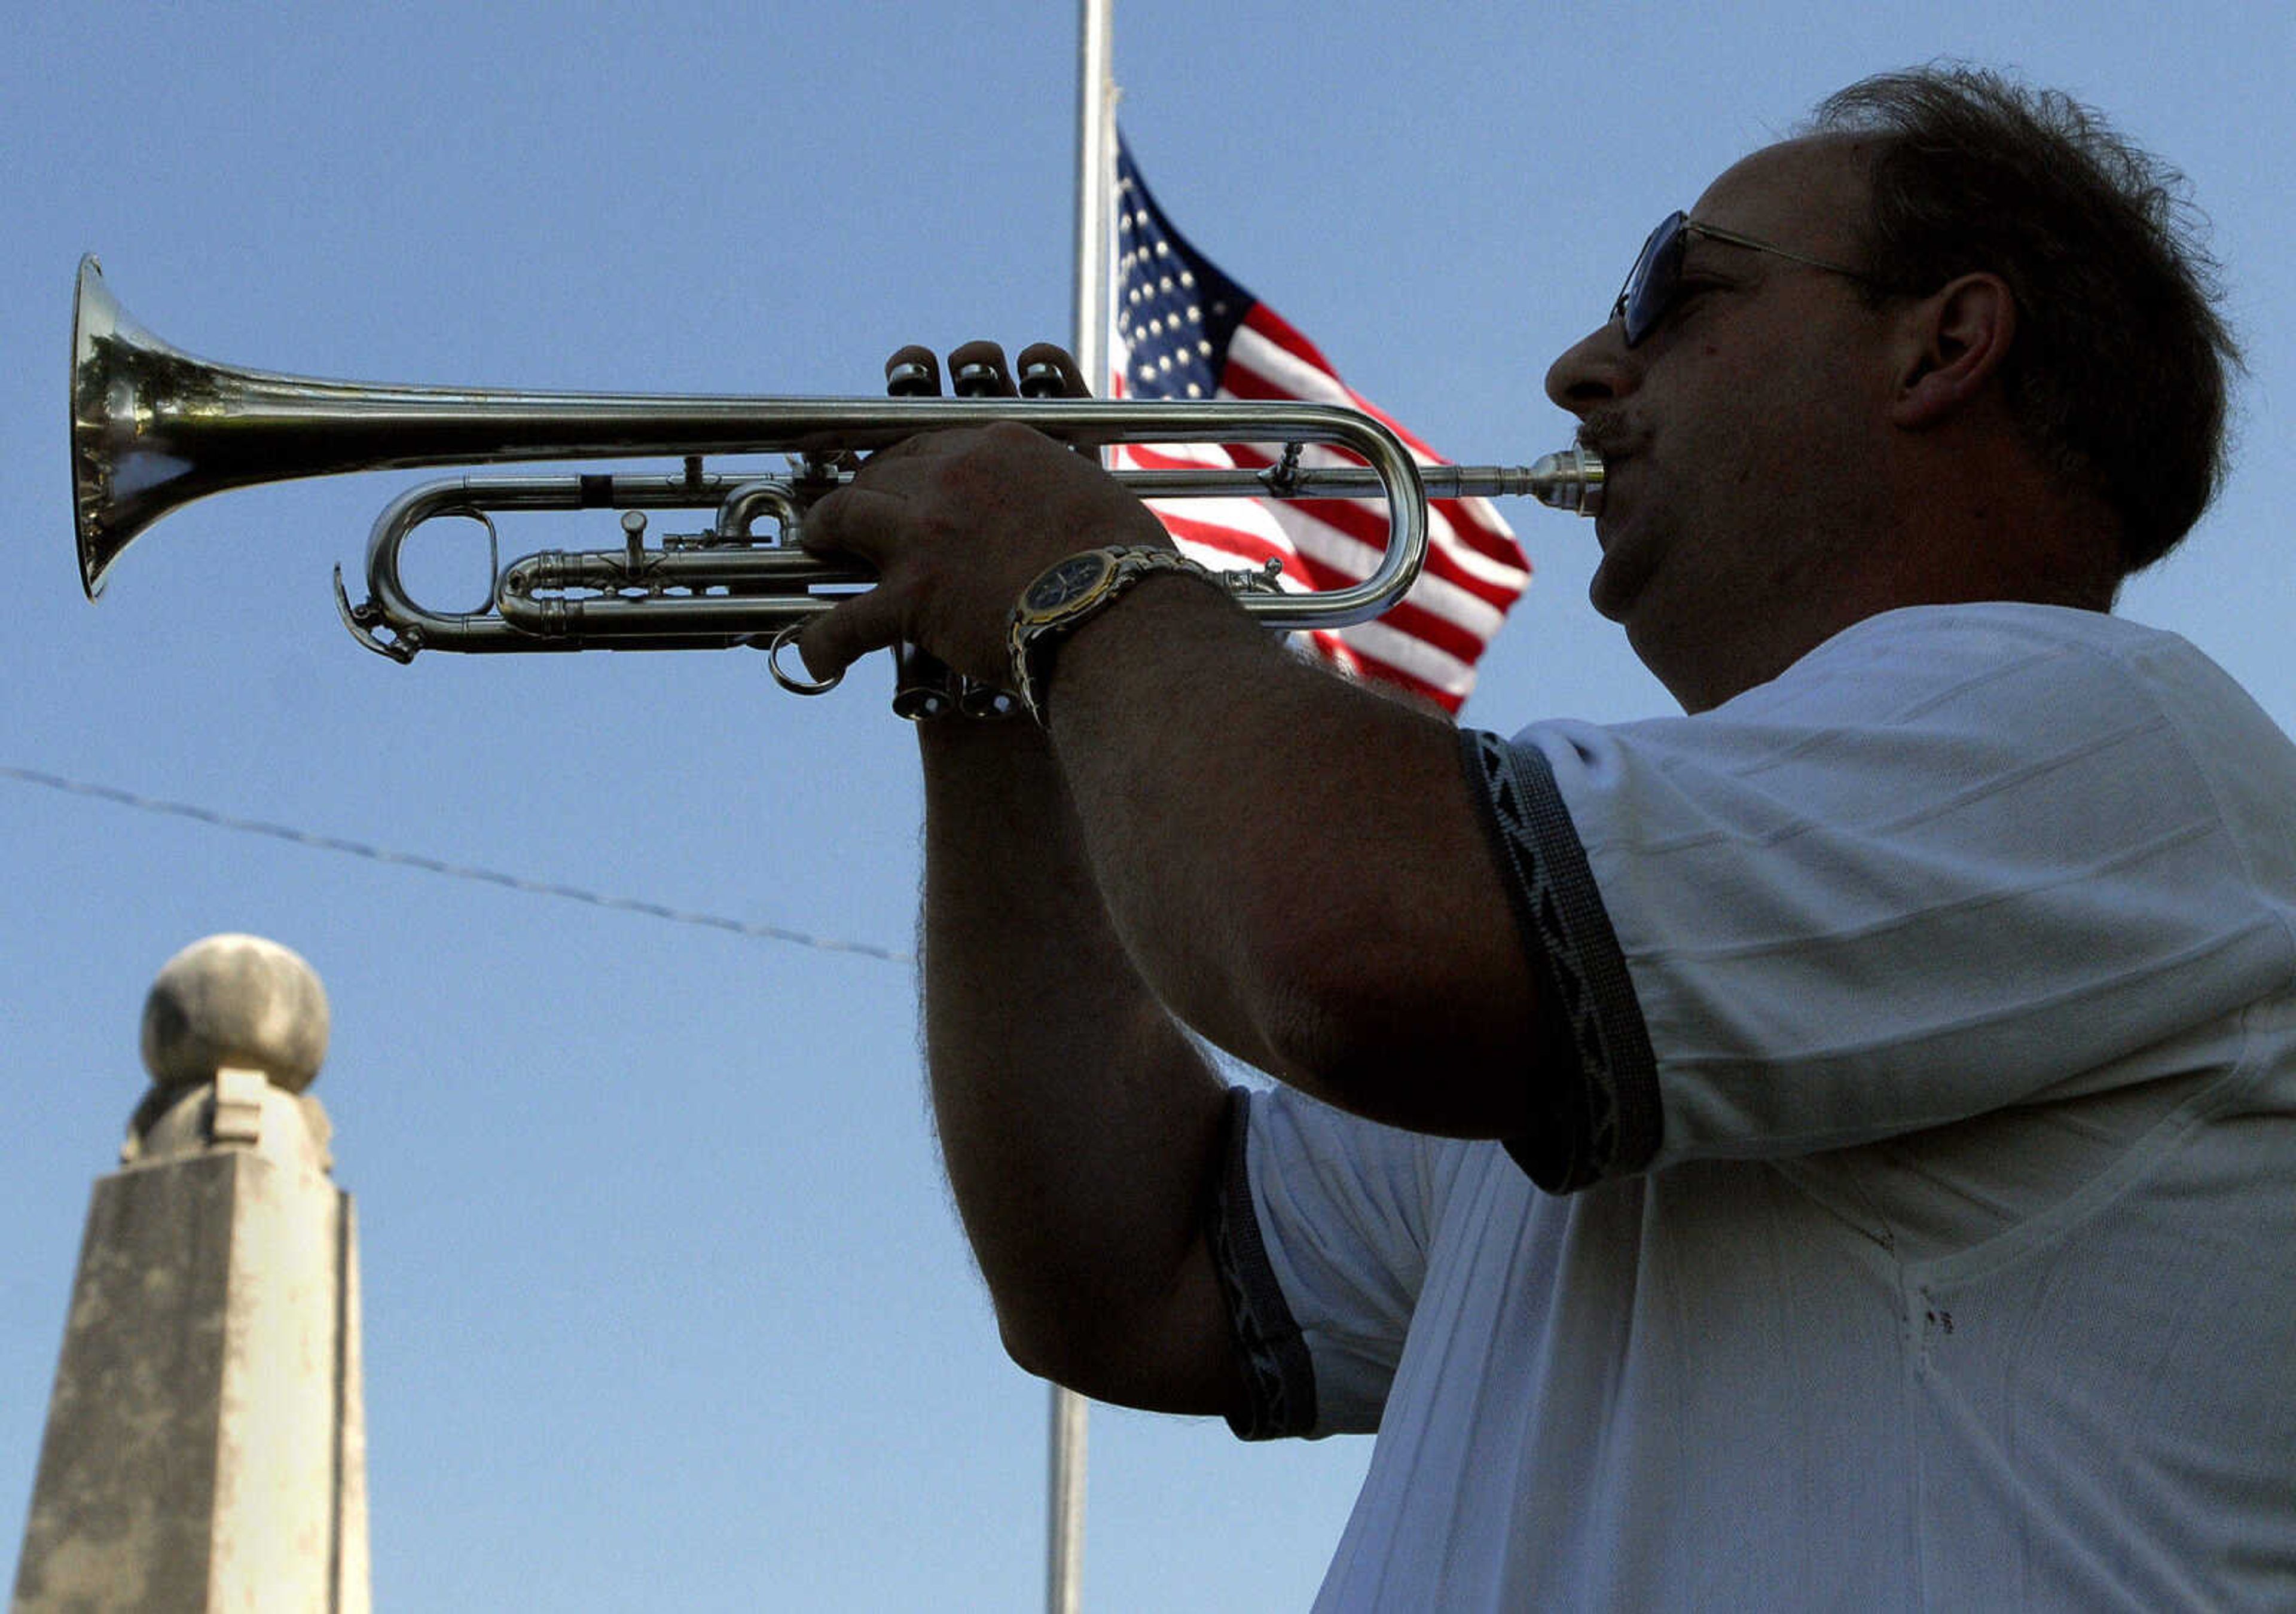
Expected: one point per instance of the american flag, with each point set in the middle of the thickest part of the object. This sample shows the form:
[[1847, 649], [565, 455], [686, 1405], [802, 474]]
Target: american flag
[[1184, 330]]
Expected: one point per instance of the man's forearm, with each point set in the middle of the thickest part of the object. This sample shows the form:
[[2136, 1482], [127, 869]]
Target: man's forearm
[[1077, 1122]]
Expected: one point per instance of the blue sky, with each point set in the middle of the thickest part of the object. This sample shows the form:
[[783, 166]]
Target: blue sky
[[666, 1303]]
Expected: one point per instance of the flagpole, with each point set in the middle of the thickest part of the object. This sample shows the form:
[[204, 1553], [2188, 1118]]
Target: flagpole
[[1096, 174], [1095, 180]]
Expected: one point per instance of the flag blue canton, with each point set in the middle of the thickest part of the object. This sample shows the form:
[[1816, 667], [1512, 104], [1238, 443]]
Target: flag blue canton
[[1174, 308]]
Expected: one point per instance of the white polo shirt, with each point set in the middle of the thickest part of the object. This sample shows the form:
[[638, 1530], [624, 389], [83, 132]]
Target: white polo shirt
[[1916, 1224]]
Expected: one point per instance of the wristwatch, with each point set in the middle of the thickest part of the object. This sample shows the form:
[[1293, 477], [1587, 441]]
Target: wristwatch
[[1068, 594]]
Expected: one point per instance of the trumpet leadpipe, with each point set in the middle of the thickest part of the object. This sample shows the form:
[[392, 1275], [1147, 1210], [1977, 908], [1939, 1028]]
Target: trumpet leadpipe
[[1569, 480]]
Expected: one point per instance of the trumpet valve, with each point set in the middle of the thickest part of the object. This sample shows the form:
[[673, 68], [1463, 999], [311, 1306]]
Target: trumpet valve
[[971, 377], [907, 377]]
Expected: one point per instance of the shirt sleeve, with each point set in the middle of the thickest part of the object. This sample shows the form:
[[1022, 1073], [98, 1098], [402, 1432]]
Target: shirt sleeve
[[1949, 863], [1318, 1229]]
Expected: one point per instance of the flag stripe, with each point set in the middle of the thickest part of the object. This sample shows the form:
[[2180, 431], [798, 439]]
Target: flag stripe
[[1301, 355], [1459, 627], [1483, 527]]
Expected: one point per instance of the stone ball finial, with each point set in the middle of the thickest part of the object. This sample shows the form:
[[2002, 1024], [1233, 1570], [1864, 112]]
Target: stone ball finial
[[238, 1001]]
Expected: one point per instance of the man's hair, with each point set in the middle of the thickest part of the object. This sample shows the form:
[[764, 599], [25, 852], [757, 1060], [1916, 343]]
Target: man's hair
[[2117, 373]]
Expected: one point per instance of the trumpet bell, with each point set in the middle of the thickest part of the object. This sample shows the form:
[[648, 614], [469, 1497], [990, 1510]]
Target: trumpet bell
[[153, 427], [122, 480]]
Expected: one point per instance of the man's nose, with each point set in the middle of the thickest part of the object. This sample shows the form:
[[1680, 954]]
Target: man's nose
[[1596, 370]]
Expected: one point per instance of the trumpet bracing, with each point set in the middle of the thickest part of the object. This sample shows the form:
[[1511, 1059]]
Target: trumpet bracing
[[154, 428]]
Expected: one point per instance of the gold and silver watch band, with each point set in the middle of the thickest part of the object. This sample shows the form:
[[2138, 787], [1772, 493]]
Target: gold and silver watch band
[[1070, 593]]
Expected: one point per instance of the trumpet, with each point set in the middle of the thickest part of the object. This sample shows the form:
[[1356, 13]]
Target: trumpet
[[154, 428]]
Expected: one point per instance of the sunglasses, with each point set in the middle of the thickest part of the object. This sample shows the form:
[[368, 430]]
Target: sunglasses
[[1654, 284]]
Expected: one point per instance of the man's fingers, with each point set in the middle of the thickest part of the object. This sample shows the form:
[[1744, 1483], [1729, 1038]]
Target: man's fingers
[[978, 370], [855, 520], [835, 640], [1042, 363]]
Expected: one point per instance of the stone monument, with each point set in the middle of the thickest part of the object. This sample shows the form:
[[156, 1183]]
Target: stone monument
[[206, 1443]]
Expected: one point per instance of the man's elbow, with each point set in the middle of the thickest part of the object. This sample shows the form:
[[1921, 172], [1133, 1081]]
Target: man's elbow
[[1171, 1358], [1036, 1349], [1376, 1032]]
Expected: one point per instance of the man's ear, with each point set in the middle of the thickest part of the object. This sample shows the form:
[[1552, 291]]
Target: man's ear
[[1955, 341]]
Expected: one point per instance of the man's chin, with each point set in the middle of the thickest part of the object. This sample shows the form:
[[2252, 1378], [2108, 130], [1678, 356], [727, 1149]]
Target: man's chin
[[1614, 588]]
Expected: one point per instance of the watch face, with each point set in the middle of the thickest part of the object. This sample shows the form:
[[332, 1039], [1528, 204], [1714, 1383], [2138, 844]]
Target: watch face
[[1070, 580]]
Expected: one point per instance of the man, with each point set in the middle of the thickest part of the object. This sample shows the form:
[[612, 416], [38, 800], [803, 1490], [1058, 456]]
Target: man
[[1834, 1148]]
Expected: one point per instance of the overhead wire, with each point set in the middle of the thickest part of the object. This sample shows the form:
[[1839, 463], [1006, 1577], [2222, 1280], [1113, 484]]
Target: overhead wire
[[750, 929]]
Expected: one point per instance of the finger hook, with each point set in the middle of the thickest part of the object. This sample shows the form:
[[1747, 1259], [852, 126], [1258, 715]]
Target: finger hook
[[796, 686]]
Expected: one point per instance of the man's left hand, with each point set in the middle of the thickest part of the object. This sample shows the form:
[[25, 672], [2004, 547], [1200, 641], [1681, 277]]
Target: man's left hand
[[957, 525]]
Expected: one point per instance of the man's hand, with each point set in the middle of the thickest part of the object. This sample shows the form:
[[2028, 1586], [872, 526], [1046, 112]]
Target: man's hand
[[957, 524]]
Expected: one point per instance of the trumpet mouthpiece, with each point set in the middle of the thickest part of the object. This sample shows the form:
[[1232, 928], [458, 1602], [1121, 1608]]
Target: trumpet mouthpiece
[[1571, 479]]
